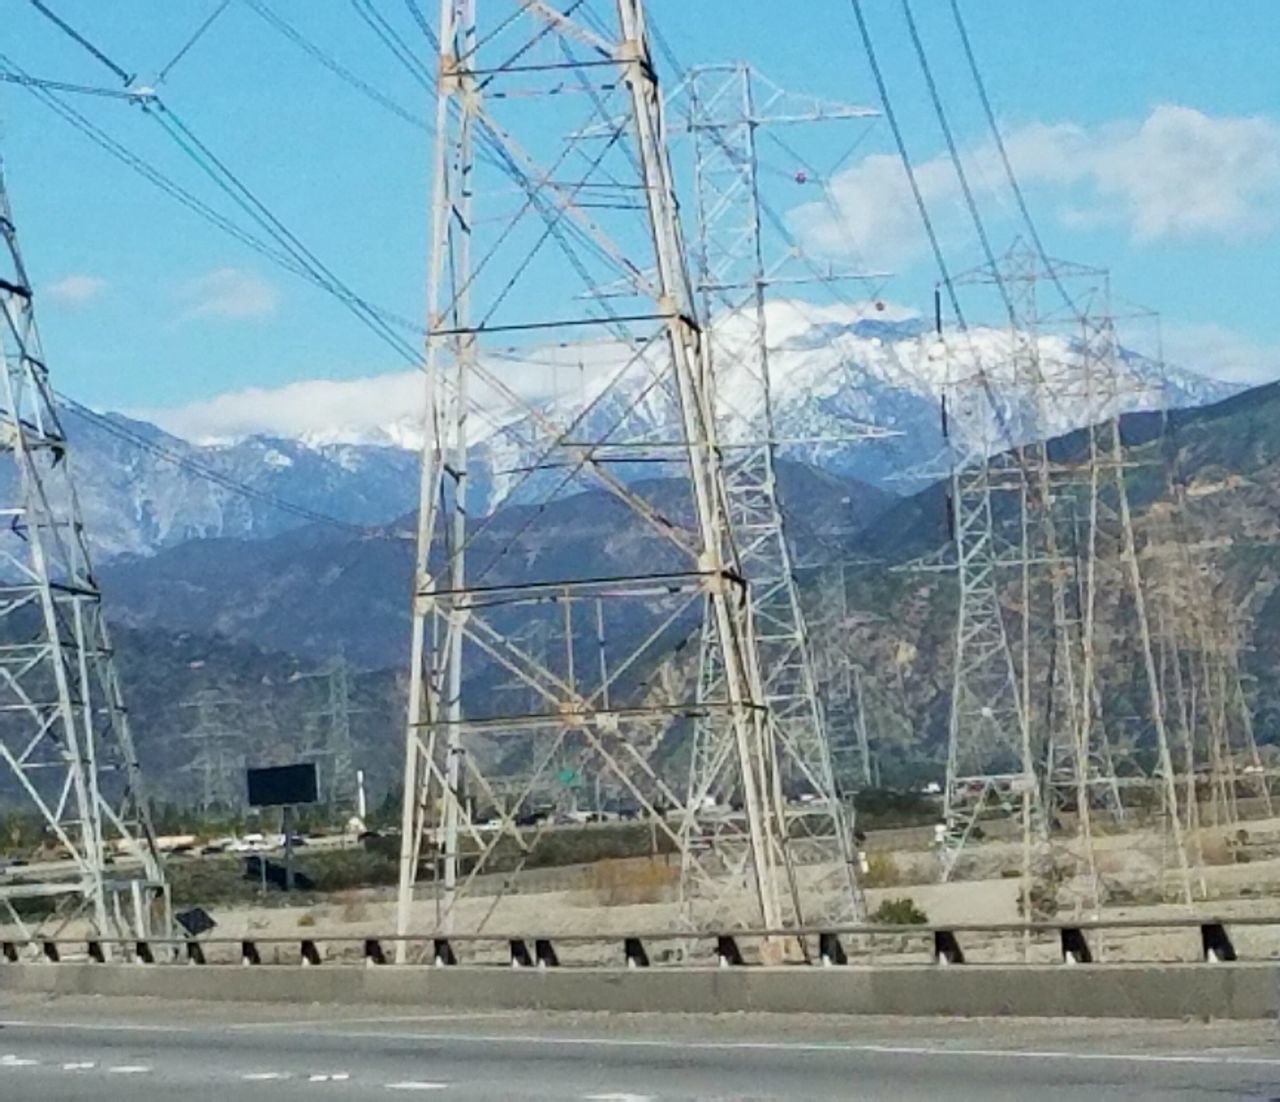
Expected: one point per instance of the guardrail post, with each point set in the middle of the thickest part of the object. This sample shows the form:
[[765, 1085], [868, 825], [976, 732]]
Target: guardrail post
[[373, 953], [520, 954], [946, 949], [728, 952], [195, 952], [10, 952], [51, 951], [633, 947], [1075, 947], [830, 950], [249, 953], [545, 953], [310, 952], [442, 953], [94, 949], [1215, 942]]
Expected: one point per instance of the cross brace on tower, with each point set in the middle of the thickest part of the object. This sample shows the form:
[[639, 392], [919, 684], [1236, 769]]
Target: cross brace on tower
[[66, 751]]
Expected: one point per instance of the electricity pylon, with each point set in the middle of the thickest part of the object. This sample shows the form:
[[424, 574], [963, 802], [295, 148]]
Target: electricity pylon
[[64, 730], [989, 755], [736, 269], [1076, 538], [335, 743], [218, 761], [589, 209]]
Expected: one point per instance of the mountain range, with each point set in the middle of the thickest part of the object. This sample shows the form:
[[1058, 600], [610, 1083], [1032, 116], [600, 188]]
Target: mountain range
[[247, 617], [144, 490], [236, 567]]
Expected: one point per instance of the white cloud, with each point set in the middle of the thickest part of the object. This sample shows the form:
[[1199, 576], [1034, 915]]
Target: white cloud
[[76, 289], [388, 407], [322, 409], [230, 293], [1185, 174], [1178, 174], [1222, 353]]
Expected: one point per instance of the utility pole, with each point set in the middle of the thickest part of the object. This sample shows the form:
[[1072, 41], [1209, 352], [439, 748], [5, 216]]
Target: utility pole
[[592, 210], [64, 729]]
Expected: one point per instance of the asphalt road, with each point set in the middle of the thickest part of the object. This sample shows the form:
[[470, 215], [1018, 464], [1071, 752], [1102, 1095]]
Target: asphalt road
[[137, 1050]]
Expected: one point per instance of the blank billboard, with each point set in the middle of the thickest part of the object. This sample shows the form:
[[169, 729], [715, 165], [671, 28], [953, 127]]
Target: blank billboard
[[282, 785]]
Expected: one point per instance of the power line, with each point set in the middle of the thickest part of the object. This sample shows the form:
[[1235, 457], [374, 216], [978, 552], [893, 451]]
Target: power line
[[334, 66], [1019, 196], [10, 77], [84, 43], [291, 255], [199, 33], [922, 209], [970, 203], [388, 36]]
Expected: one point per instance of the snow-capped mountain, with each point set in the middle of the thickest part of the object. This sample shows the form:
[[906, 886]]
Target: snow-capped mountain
[[142, 489], [860, 400], [863, 400]]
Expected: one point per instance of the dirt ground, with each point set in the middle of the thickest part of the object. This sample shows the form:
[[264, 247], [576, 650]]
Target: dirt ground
[[1239, 875], [641, 895]]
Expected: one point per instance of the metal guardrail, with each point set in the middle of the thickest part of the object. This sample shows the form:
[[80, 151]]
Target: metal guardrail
[[1072, 943]]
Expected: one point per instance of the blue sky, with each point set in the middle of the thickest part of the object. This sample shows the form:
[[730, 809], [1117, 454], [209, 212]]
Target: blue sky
[[1147, 134]]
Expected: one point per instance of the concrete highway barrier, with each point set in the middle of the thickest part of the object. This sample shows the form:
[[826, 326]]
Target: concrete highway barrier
[[1151, 991]]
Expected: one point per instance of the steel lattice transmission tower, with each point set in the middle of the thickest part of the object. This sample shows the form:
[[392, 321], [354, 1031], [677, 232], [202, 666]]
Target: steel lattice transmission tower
[[737, 267], [989, 753], [531, 221], [1066, 540], [65, 747], [334, 742]]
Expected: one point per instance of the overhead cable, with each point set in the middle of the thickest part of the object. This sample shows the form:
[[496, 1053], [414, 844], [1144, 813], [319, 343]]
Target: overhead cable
[[1018, 194], [200, 470], [290, 32], [199, 33], [66, 28], [935, 245]]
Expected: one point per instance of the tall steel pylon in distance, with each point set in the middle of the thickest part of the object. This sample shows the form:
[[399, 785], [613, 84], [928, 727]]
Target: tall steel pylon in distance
[[65, 748], [333, 742], [989, 756], [738, 266], [219, 758], [551, 182], [1070, 556]]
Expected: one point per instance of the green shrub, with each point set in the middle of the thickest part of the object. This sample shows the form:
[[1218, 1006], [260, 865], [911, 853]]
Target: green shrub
[[882, 871], [899, 912]]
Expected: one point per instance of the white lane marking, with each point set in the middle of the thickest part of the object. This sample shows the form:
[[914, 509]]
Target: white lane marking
[[826, 1046], [618, 1097], [81, 1065], [756, 1046], [332, 1077], [130, 1069], [9, 1060], [99, 1027], [265, 1076], [417, 1085], [390, 1019]]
